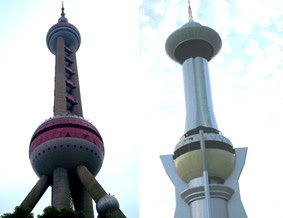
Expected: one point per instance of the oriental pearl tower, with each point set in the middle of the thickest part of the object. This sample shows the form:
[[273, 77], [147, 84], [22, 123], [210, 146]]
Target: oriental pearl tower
[[66, 151], [205, 167]]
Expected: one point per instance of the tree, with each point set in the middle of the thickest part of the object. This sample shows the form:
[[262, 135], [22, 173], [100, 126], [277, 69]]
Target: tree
[[52, 212], [48, 212], [20, 212]]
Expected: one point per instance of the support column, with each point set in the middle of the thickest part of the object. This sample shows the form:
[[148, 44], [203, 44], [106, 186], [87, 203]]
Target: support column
[[36, 193], [60, 189], [105, 203], [81, 198]]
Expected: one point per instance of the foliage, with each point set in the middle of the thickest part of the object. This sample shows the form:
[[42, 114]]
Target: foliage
[[48, 212], [20, 212], [52, 212]]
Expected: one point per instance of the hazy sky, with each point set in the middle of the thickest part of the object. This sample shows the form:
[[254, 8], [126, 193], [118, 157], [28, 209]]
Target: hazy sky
[[133, 93]]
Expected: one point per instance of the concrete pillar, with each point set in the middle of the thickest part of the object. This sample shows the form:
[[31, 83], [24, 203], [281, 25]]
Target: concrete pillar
[[81, 198], [90, 183], [60, 189], [96, 191], [36, 193], [77, 108], [60, 104]]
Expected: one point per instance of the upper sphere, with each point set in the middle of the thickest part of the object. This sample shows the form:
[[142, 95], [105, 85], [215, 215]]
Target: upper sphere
[[193, 40], [67, 31]]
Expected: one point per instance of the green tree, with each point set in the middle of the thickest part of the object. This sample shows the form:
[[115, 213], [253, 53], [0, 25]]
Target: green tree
[[69, 213], [20, 212], [52, 212], [48, 212]]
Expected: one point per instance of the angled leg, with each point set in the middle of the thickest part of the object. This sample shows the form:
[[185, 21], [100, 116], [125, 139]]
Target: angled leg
[[36, 193], [106, 205]]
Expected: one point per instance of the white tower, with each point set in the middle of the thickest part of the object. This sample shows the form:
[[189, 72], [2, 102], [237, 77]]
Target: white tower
[[205, 167]]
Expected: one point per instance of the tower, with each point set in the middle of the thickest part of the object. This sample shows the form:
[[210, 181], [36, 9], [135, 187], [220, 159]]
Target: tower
[[205, 167], [66, 151]]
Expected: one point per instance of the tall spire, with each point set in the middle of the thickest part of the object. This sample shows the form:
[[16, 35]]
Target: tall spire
[[190, 11], [63, 14], [63, 19]]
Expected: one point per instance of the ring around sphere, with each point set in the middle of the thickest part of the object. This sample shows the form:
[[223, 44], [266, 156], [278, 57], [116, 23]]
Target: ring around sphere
[[193, 31], [67, 31]]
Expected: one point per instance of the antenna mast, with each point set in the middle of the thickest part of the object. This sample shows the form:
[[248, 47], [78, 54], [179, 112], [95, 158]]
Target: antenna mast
[[62, 14], [190, 11]]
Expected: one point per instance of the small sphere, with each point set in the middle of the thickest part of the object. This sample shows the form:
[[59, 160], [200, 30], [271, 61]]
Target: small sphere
[[219, 152], [66, 141], [193, 40], [106, 202], [67, 31]]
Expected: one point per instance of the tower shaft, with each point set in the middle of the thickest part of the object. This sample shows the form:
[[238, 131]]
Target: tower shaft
[[199, 108], [67, 99]]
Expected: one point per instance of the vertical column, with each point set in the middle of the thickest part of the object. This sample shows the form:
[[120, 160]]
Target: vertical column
[[60, 189], [85, 203], [60, 105], [199, 107], [81, 198], [77, 108]]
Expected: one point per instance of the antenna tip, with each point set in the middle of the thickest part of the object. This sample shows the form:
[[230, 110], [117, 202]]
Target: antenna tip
[[63, 18], [62, 14], [190, 11]]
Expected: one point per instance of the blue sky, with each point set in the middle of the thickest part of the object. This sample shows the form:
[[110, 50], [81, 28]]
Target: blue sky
[[133, 93], [246, 81]]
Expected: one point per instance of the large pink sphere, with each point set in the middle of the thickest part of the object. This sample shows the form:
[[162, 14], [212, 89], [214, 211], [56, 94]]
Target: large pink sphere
[[66, 141]]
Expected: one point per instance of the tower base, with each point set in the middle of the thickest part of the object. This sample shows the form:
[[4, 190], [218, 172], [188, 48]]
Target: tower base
[[190, 197]]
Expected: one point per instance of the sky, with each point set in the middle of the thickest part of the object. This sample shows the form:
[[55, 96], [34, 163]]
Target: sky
[[133, 93]]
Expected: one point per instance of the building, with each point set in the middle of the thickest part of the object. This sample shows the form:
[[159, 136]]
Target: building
[[205, 167], [67, 151]]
